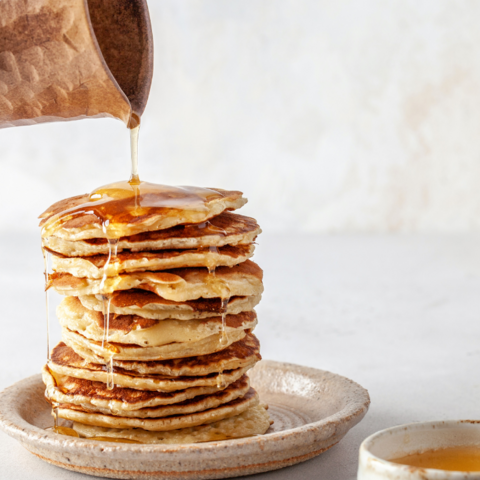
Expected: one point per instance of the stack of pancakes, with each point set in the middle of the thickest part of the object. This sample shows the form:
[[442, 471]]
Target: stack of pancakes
[[157, 322]]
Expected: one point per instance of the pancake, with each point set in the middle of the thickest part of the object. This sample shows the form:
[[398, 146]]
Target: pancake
[[126, 262], [93, 351], [244, 353], [172, 206], [224, 229], [95, 397], [64, 362], [162, 424], [137, 399], [135, 330], [149, 305], [254, 421], [241, 354], [178, 285]]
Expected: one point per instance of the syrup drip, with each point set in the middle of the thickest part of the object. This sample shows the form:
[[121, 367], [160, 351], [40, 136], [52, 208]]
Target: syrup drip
[[110, 383], [70, 432], [46, 256], [109, 350], [114, 440], [106, 299], [221, 382], [134, 177], [112, 254], [55, 417], [224, 339], [221, 288], [134, 183], [209, 229]]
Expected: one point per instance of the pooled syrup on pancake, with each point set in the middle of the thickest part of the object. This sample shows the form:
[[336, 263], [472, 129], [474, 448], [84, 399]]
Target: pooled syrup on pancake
[[120, 204]]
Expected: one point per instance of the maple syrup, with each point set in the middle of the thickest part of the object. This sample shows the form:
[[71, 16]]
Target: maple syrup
[[109, 350], [118, 205], [70, 432], [55, 416], [221, 382], [114, 440], [134, 177], [459, 459], [207, 228], [46, 256], [221, 288], [224, 338], [110, 371]]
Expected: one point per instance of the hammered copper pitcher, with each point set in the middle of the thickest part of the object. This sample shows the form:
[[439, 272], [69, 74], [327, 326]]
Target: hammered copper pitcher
[[73, 59]]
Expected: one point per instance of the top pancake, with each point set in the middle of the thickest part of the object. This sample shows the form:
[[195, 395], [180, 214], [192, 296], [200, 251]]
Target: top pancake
[[224, 229], [132, 210]]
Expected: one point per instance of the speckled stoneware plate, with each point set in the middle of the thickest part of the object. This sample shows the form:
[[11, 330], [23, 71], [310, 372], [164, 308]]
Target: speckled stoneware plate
[[312, 410]]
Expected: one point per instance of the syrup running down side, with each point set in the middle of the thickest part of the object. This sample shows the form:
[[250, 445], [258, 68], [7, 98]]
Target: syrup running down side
[[46, 256]]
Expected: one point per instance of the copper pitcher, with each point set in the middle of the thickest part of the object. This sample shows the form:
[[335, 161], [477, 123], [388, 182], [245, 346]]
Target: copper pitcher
[[73, 59]]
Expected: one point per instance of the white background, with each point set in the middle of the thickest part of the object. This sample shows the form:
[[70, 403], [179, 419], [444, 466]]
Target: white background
[[331, 116]]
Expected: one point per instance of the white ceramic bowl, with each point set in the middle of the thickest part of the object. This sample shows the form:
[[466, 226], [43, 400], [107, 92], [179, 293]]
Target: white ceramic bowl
[[396, 442]]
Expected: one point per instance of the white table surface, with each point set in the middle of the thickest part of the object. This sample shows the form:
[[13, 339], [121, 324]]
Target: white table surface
[[397, 314]]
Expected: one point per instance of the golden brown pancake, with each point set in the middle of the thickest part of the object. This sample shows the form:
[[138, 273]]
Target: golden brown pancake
[[242, 354], [150, 305], [96, 397], [135, 330], [224, 229], [141, 399], [157, 383], [96, 266], [95, 352], [254, 421], [70, 218], [179, 284], [162, 424]]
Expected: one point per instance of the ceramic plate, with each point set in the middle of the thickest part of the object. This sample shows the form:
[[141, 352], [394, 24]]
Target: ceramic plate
[[312, 410]]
